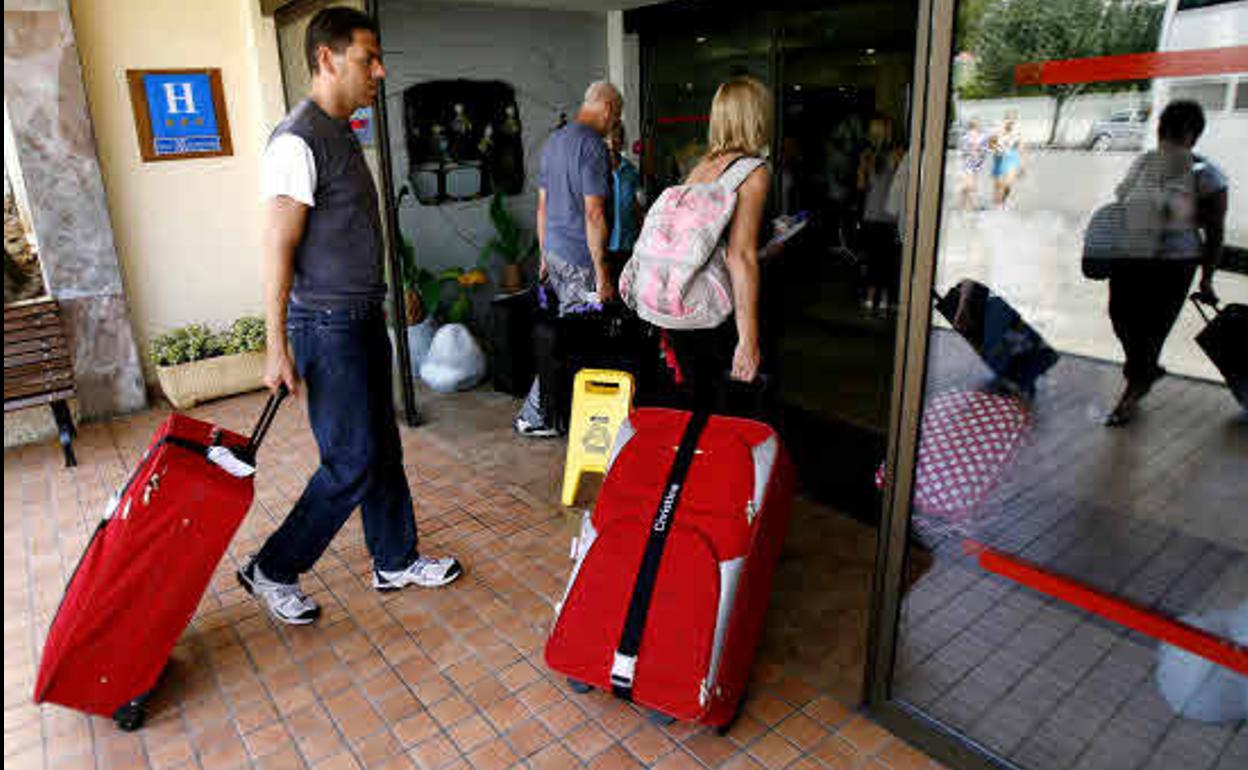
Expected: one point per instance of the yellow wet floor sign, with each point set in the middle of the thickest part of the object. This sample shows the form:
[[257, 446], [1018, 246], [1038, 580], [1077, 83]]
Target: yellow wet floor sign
[[601, 400]]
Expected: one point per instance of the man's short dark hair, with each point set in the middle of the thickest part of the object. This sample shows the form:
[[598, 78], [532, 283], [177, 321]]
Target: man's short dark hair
[[334, 27], [1179, 119]]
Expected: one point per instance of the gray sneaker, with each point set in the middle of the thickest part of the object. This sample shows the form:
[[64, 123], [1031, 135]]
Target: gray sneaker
[[425, 572], [285, 601]]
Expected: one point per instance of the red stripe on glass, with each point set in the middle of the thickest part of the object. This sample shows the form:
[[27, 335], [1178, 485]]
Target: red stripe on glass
[[1126, 613], [1133, 66]]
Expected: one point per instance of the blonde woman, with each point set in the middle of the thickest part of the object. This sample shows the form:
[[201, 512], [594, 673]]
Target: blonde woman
[[741, 120]]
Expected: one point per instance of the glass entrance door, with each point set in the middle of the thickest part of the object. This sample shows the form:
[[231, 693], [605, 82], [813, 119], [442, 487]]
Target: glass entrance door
[[1070, 447]]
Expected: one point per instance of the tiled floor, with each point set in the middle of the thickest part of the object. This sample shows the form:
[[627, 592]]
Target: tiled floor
[[435, 680]]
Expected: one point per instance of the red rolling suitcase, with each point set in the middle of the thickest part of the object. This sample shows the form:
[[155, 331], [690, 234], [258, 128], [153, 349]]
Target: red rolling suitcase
[[674, 567], [147, 566]]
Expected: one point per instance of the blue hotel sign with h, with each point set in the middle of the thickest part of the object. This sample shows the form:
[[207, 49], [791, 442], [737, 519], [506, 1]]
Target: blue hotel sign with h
[[181, 114]]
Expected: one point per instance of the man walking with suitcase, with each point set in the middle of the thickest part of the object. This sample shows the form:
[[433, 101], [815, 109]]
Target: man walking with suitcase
[[324, 290]]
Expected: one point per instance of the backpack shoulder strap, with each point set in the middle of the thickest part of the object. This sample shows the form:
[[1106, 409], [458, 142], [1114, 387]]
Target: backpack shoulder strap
[[736, 172]]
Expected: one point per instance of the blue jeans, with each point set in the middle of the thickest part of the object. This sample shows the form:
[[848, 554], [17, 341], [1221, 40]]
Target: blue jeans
[[343, 358]]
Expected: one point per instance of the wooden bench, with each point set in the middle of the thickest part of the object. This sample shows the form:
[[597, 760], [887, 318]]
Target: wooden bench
[[38, 366]]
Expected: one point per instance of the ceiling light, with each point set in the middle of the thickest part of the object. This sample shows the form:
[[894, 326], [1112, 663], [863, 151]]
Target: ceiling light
[[797, 86], [700, 39], [870, 52]]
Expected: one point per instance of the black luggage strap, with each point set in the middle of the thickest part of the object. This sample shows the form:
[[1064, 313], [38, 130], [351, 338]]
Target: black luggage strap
[[625, 662]]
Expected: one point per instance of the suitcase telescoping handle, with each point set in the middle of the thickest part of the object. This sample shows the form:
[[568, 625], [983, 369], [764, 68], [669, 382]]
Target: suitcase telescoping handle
[[265, 422]]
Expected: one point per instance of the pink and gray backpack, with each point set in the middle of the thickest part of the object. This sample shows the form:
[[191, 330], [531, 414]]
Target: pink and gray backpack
[[678, 277]]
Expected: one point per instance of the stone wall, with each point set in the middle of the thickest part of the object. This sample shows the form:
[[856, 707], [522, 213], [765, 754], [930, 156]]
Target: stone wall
[[55, 146]]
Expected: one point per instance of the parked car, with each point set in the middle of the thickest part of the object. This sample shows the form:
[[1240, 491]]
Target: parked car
[[1124, 130]]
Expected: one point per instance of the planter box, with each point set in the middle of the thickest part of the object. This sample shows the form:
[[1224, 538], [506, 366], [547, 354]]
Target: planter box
[[185, 385]]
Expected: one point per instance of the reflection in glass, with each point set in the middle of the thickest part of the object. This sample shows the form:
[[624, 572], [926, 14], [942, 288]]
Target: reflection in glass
[[1082, 473]]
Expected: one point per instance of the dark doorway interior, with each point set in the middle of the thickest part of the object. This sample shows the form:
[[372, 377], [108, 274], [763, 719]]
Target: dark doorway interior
[[841, 80]]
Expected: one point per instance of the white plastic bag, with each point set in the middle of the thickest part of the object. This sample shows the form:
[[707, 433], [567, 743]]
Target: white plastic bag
[[419, 338], [455, 361]]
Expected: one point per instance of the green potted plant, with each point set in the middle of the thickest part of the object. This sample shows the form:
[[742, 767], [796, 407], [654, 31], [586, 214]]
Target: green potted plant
[[194, 363], [512, 244]]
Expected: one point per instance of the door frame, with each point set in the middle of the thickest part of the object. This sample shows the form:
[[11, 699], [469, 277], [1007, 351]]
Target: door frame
[[934, 49]]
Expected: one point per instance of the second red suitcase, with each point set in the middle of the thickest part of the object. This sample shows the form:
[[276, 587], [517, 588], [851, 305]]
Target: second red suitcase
[[147, 565], [674, 568]]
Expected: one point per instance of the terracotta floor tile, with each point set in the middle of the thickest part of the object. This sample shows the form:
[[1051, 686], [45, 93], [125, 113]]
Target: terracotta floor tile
[[471, 733], [802, 731], [616, 757], [254, 716], [527, 738], [433, 753], [340, 761], [899, 755], [865, 736], [677, 760], [486, 692], [398, 705], [494, 755], [554, 757], [506, 713], [415, 729], [286, 758], [378, 749], [354, 715], [648, 744], [467, 672], [539, 695], [315, 733], [266, 740], [741, 761], [767, 709], [519, 675], [827, 711], [168, 753], [710, 749], [451, 710], [587, 741], [772, 751], [621, 719], [746, 729], [562, 718], [836, 753], [431, 689], [796, 691]]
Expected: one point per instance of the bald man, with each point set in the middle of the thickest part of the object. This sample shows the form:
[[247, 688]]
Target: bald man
[[572, 226]]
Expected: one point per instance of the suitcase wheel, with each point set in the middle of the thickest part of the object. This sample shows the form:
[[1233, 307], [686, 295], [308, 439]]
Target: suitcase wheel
[[726, 727], [131, 716], [579, 687]]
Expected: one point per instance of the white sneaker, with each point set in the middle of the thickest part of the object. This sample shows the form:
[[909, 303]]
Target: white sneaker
[[285, 601], [425, 572], [524, 428]]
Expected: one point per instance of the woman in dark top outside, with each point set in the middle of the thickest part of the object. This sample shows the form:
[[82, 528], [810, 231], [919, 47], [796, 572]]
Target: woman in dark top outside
[[1146, 295]]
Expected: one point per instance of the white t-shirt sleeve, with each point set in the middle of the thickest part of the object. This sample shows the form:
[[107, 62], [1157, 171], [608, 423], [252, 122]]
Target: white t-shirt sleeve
[[288, 168]]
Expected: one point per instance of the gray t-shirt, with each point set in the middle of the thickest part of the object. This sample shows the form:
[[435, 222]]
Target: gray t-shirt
[[575, 163]]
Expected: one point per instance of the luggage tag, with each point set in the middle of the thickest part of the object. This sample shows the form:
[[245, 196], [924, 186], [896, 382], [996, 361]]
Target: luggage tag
[[230, 463]]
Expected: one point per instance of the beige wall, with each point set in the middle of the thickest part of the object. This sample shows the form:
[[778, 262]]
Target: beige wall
[[187, 231]]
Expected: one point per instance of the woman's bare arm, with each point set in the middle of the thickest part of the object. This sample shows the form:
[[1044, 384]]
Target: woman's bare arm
[[742, 259]]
